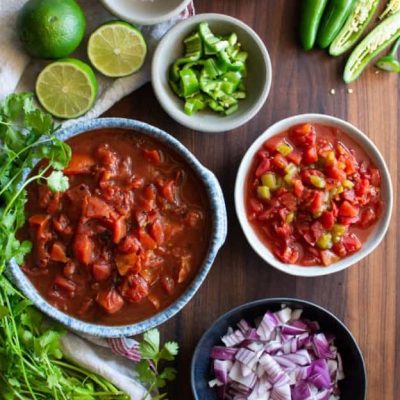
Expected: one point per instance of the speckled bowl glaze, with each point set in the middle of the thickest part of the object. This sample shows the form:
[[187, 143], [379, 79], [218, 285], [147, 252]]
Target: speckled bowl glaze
[[353, 387], [218, 234]]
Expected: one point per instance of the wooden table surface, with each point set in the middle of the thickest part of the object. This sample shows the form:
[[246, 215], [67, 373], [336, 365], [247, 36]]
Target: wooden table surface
[[364, 296]]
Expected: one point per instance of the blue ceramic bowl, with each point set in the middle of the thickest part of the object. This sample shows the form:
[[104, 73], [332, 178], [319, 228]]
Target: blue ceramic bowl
[[218, 234], [353, 387]]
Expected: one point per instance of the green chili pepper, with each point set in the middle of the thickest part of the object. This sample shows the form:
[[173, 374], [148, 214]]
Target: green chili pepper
[[391, 8], [353, 28], [312, 11], [390, 63], [381, 36], [335, 15]]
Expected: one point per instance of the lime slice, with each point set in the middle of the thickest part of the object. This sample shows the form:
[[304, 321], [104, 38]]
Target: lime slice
[[117, 49], [67, 88]]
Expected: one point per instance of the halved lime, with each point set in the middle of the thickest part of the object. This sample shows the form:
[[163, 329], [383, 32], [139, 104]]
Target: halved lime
[[67, 88], [117, 49]]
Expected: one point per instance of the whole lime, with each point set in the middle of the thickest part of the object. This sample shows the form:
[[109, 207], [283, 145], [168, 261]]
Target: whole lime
[[51, 28]]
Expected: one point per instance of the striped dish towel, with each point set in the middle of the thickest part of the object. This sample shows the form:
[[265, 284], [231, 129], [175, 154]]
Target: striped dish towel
[[113, 358]]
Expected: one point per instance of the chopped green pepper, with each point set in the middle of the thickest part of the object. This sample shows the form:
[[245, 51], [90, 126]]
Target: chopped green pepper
[[194, 104], [325, 241], [338, 231], [284, 148], [263, 192], [317, 181], [211, 73], [190, 83], [270, 179]]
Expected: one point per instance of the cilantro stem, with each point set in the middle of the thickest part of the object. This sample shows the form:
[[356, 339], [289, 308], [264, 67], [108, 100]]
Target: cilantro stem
[[18, 347], [22, 188], [16, 394], [17, 155]]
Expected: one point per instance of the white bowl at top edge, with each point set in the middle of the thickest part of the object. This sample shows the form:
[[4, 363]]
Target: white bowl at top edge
[[380, 227], [258, 81], [146, 12]]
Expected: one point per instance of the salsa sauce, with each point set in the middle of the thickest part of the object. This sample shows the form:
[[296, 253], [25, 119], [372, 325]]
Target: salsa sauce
[[312, 195], [127, 237]]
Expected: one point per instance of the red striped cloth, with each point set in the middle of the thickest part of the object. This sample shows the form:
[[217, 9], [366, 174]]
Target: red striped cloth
[[125, 347]]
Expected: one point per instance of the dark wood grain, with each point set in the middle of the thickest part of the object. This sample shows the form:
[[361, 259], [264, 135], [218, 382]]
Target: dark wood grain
[[364, 296]]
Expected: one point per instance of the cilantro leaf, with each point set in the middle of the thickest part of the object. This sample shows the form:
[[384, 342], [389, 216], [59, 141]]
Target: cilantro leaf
[[57, 182], [169, 351], [148, 369], [150, 346]]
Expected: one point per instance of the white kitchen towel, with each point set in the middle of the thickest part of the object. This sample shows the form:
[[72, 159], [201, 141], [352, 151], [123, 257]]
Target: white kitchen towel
[[111, 358]]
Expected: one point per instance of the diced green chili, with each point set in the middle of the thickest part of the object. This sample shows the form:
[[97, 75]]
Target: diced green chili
[[190, 83], [263, 192], [284, 148], [325, 241], [338, 231], [317, 181], [194, 104], [213, 67], [269, 179]]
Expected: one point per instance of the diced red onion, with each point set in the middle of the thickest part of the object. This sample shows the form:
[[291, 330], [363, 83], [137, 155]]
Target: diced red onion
[[233, 339], [221, 370], [223, 353], [282, 358]]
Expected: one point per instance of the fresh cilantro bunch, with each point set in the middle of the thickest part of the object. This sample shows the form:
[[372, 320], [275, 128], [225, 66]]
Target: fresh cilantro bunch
[[149, 368], [26, 135], [32, 366]]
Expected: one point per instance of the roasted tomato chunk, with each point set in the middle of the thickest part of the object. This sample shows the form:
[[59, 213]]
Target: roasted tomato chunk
[[110, 300]]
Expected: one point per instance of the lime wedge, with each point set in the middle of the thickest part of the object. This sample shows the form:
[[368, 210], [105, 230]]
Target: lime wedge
[[67, 88], [117, 49]]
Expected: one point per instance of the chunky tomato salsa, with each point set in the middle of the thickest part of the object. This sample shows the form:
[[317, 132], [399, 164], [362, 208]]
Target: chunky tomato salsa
[[313, 195], [126, 238]]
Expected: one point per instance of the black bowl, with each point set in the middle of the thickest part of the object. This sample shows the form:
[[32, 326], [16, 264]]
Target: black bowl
[[353, 387]]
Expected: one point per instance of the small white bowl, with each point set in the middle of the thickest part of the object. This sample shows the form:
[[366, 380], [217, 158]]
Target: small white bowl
[[146, 12], [375, 236], [258, 80]]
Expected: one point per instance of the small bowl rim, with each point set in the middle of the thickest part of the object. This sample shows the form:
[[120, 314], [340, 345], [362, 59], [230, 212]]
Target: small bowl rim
[[371, 150], [218, 233], [267, 301], [108, 4], [192, 122]]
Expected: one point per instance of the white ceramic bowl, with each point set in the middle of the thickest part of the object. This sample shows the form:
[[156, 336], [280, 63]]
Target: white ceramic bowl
[[146, 12], [258, 80], [376, 235]]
